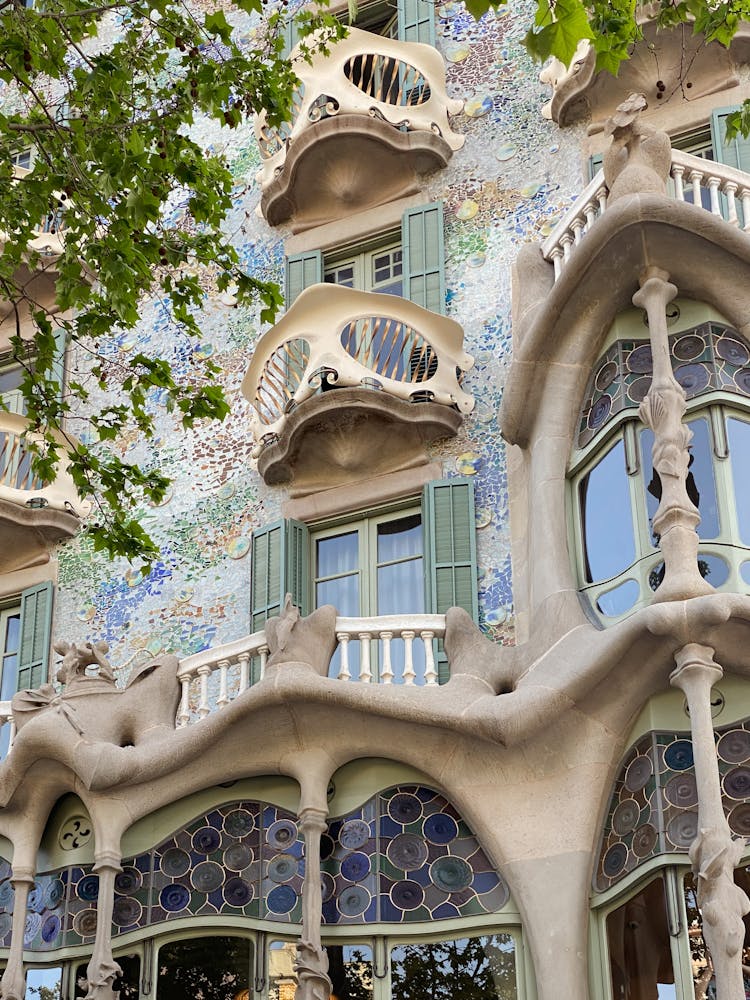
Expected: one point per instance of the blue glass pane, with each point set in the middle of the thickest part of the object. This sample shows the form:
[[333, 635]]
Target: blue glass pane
[[10, 677], [337, 554], [399, 539], [38, 979], [651, 485], [619, 600], [401, 588], [738, 433], [342, 593], [745, 572], [13, 634], [701, 485], [713, 569], [607, 519]]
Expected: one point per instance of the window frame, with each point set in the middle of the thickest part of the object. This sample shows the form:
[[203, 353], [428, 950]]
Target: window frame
[[361, 257]]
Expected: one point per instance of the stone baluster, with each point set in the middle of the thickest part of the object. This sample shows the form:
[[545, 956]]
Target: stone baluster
[[713, 190], [557, 261], [102, 969], [730, 189], [223, 698], [567, 243], [714, 853], [409, 675], [590, 213], [386, 670], [184, 714], [577, 225], [365, 670], [602, 196], [696, 177], [746, 209], [12, 737], [677, 175], [676, 518], [312, 961], [204, 672], [263, 660], [244, 662], [13, 982], [344, 673], [430, 674]]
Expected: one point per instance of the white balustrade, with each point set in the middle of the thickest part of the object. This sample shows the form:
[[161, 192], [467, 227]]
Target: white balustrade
[[715, 187], [367, 654], [6, 719]]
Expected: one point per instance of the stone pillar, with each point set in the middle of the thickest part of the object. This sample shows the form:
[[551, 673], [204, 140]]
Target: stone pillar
[[102, 969], [13, 983], [714, 853], [662, 410], [312, 961]]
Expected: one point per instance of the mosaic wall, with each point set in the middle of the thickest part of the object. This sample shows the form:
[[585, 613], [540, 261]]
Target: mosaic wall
[[508, 185], [654, 806], [406, 855], [706, 358]]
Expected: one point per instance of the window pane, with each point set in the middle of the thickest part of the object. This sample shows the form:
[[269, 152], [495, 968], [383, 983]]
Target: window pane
[[400, 538], [128, 985], [282, 979], [639, 953], [739, 448], [342, 593], [607, 519], [350, 969], [651, 481], [213, 968], [701, 486], [401, 588], [478, 968], [43, 984], [338, 554]]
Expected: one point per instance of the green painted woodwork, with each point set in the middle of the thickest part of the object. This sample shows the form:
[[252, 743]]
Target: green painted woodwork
[[424, 256], [416, 21], [36, 626], [300, 271]]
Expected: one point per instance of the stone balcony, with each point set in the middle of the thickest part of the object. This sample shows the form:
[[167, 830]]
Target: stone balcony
[[33, 514], [349, 385], [367, 119]]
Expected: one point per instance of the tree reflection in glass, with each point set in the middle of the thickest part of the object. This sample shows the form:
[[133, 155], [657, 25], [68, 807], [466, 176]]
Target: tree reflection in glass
[[129, 984], [349, 968], [639, 950], [43, 984], [704, 985], [212, 968], [477, 968]]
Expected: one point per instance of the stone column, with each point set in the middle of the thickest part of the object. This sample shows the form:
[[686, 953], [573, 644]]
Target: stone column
[[13, 983], [312, 961], [714, 853], [102, 969], [662, 410]]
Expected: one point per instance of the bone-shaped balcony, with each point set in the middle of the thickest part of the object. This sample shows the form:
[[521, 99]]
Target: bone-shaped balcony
[[367, 119], [353, 384]]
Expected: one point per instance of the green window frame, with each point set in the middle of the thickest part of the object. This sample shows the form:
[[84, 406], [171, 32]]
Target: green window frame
[[406, 20], [423, 260], [724, 553]]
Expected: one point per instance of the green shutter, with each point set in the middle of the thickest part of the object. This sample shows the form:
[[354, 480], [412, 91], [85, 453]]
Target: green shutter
[[290, 34], [279, 567], [416, 21], [595, 165], [424, 256], [300, 271], [36, 631], [450, 552], [735, 153]]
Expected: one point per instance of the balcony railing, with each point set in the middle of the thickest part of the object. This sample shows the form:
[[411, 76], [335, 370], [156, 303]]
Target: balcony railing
[[334, 336], [402, 83], [717, 188], [389, 650], [48, 239], [18, 482]]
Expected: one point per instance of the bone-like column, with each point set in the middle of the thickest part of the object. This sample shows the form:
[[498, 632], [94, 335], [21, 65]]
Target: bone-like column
[[312, 961], [662, 410], [102, 969], [13, 983], [714, 853]]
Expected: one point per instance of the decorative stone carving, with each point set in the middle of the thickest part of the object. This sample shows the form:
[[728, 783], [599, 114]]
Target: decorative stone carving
[[77, 658], [312, 961], [102, 970], [714, 853], [13, 982], [662, 410], [303, 641], [639, 158]]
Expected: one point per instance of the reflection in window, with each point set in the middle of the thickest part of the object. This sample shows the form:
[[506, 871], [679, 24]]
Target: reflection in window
[[349, 967], [639, 950], [43, 984], [128, 984], [704, 985], [213, 968], [606, 517], [477, 968], [738, 433]]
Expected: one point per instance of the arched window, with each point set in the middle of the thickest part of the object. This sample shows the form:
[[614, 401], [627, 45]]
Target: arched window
[[615, 491]]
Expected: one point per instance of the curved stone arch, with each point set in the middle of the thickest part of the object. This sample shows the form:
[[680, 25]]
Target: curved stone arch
[[559, 329]]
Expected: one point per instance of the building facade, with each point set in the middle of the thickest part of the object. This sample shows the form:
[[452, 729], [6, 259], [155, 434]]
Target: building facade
[[438, 686]]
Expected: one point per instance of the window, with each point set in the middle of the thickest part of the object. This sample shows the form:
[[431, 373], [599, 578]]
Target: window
[[419, 558], [25, 635], [128, 984], [214, 968], [410, 264], [405, 20], [349, 968]]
